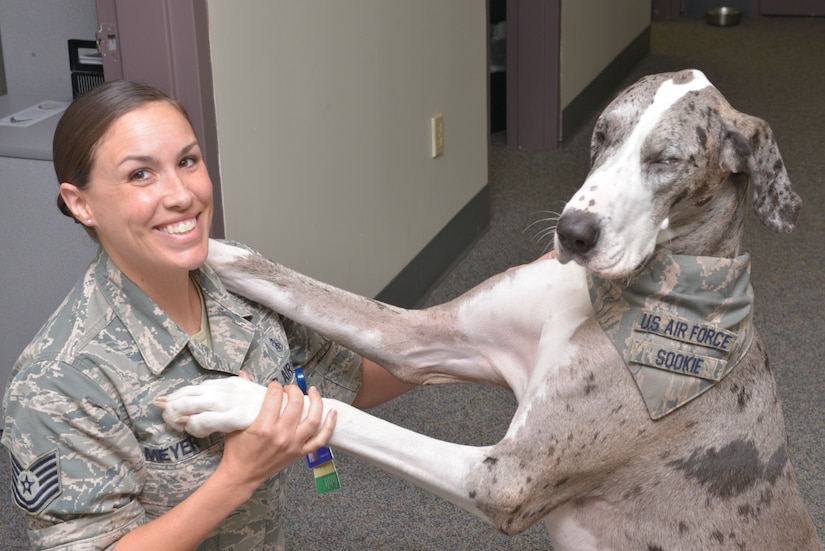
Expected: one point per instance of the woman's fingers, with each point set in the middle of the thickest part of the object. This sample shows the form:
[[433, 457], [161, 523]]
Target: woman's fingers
[[322, 436], [287, 424], [271, 407]]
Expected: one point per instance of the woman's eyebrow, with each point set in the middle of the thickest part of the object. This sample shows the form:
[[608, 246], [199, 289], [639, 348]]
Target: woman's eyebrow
[[149, 158]]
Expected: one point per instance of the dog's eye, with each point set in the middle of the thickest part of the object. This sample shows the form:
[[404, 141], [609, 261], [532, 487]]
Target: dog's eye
[[598, 143], [665, 160]]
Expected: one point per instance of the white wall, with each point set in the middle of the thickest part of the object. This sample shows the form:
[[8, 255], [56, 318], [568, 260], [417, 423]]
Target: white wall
[[35, 49], [323, 115], [593, 33]]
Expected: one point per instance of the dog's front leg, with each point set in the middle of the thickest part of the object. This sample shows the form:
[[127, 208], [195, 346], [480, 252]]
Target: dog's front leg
[[230, 404], [439, 467], [488, 335]]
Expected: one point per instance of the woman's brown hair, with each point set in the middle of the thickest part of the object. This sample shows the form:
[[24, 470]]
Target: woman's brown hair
[[86, 121]]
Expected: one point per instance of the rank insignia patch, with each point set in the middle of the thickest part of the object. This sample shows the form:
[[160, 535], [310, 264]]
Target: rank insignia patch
[[38, 484]]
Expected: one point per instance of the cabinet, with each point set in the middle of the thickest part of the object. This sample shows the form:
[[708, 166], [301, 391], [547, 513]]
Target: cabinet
[[43, 252]]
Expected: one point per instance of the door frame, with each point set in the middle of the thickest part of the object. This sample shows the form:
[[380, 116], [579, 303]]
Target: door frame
[[533, 74]]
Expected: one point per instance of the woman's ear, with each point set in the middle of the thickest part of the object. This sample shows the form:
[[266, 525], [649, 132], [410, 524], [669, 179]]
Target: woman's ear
[[76, 202]]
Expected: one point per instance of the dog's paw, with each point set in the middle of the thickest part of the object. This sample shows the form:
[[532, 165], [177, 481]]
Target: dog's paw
[[216, 405], [225, 259]]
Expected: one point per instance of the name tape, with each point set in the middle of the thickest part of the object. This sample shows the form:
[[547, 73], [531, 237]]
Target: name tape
[[179, 449], [691, 332], [677, 361]]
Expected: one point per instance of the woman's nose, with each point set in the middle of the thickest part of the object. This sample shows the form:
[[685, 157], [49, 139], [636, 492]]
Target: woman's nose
[[177, 193]]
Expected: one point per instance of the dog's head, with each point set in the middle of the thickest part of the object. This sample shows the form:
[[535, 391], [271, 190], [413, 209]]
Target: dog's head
[[670, 162]]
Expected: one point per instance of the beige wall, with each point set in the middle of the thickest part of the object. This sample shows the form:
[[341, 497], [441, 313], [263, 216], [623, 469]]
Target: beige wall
[[323, 115], [593, 33]]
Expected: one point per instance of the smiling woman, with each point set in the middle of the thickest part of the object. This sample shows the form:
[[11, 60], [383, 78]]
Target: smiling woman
[[143, 190], [83, 126], [149, 198], [94, 464]]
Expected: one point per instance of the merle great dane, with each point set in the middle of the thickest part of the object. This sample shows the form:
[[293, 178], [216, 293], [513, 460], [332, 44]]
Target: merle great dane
[[666, 435]]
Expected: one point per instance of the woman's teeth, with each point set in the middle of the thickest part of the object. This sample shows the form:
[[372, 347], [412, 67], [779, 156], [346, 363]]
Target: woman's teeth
[[180, 227]]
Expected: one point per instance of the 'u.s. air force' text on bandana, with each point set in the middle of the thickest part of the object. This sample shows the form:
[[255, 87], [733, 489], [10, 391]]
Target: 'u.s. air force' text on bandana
[[681, 324]]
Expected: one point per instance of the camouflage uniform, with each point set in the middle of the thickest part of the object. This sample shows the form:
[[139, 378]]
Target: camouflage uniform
[[91, 456], [681, 324]]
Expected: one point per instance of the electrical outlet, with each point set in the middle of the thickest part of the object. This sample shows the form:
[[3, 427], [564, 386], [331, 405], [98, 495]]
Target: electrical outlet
[[437, 125]]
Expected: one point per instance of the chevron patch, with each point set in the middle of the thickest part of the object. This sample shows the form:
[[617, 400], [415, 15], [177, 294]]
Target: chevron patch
[[38, 484]]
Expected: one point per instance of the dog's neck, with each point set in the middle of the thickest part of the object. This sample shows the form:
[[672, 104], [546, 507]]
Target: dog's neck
[[709, 228]]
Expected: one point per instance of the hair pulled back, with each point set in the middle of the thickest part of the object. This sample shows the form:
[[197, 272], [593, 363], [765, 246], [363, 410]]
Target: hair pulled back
[[86, 121]]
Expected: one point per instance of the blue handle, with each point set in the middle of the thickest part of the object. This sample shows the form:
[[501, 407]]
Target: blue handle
[[321, 455]]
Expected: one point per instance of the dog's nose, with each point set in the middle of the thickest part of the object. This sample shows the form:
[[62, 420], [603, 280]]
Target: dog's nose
[[578, 231]]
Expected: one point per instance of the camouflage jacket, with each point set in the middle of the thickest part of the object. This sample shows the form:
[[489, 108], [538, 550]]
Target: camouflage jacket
[[681, 324], [91, 456]]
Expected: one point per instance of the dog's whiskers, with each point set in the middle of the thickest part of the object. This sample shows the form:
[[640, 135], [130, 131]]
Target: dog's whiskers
[[552, 218], [552, 215]]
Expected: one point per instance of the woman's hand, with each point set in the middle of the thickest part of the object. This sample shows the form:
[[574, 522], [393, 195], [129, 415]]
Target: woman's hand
[[278, 437]]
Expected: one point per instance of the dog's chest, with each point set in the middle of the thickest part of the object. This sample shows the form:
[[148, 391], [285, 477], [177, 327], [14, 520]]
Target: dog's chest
[[578, 379]]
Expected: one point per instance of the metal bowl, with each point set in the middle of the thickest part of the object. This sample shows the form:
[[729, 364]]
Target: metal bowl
[[724, 16]]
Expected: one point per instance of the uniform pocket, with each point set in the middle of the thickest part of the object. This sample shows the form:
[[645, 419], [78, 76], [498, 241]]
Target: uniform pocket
[[176, 470]]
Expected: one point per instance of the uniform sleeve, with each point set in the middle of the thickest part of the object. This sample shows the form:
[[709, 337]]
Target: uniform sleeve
[[333, 369], [76, 466]]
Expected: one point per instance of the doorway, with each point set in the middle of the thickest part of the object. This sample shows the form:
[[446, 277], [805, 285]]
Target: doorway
[[525, 92]]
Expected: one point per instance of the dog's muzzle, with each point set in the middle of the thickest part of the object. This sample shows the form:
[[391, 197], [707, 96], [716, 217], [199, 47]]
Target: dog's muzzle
[[577, 232]]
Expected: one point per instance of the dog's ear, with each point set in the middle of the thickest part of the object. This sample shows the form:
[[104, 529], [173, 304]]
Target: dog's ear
[[748, 146]]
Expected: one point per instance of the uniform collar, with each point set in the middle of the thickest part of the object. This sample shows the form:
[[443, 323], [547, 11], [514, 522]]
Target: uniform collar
[[160, 340]]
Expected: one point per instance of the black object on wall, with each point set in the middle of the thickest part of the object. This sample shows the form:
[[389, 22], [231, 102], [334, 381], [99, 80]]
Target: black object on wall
[[86, 65], [497, 65]]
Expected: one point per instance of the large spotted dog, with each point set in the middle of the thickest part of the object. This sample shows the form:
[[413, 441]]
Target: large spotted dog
[[648, 416]]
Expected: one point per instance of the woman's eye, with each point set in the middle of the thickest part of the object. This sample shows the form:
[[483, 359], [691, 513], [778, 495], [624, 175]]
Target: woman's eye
[[138, 175], [188, 162]]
